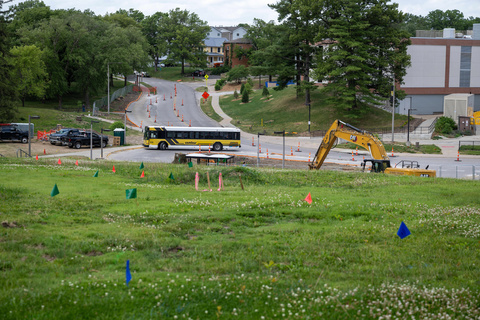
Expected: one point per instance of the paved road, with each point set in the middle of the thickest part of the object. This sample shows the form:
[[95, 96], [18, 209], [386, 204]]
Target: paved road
[[169, 106], [162, 105]]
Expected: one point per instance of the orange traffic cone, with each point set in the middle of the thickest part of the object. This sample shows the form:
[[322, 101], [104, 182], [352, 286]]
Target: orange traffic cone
[[113, 169], [76, 162], [458, 156], [59, 161], [36, 158], [142, 175], [44, 152]]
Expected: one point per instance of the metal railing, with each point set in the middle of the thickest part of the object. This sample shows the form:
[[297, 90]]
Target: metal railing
[[21, 153], [469, 145]]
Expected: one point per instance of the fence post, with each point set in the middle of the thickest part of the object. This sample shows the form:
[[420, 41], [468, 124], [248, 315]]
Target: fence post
[[473, 172], [440, 171], [456, 172]]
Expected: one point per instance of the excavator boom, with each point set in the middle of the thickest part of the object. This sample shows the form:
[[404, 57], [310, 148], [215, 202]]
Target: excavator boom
[[345, 131]]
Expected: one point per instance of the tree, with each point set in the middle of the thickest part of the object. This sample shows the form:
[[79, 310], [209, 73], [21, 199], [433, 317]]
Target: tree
[[438, 20], [154, 28], [245, 97], [30, 71], [185, 35], [303, 20], [8, 91], [237, 73], [368, 51]]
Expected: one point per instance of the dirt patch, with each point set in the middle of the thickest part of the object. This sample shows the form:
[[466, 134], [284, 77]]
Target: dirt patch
[[94, 253], [12, 224], [175, 249], [49, 258]]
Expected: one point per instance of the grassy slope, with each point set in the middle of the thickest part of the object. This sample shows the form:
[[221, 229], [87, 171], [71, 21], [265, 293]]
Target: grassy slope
[[284, 111], [233, 254]]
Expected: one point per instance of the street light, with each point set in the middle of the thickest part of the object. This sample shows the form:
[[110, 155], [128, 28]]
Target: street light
[[125, 125], [101, 141], [29, 135], [408, 127], [392, 96], [91, 137], [108, 84], [283, 133], [258, 147]]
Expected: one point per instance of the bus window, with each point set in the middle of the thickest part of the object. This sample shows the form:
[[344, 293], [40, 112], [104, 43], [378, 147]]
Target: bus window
[[153, 135], [197, 135], [170, 134], [192, 135]]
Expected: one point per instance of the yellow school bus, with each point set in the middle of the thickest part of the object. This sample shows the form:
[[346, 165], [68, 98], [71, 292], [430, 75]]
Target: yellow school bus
[[216, 137]]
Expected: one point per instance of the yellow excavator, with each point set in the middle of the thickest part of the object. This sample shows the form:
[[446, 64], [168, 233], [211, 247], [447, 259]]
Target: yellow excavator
[[475, 118], [380, 161]]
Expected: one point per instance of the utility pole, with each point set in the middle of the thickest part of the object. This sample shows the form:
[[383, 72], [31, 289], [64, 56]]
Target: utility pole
[[392, 97]]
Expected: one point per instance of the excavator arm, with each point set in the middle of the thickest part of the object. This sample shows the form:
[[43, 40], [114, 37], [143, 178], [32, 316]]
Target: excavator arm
[[345, 131]]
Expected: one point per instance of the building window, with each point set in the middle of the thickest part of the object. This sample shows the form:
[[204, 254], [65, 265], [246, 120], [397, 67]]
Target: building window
[[218, 50], [465, 66]]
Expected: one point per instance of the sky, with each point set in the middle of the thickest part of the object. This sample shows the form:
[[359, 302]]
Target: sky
[[231, 13]]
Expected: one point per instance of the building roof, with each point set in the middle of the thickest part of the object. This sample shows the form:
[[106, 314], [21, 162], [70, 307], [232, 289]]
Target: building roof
[[241, 40], [214, 42]]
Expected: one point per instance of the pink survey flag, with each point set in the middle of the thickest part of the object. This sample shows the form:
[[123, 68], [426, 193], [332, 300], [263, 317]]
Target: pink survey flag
[[309, 198]]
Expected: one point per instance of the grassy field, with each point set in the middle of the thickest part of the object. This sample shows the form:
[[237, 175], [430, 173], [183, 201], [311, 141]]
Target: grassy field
[[284, 112], [258, 253]]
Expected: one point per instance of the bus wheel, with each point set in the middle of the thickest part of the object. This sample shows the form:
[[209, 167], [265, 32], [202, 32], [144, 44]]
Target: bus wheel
[[162, 146], [217, 146]]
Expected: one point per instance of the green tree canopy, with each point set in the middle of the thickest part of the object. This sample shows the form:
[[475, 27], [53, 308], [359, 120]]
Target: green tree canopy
[[30, 71]]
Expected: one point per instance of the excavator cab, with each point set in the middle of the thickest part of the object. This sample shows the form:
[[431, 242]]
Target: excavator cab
[[377, 166]]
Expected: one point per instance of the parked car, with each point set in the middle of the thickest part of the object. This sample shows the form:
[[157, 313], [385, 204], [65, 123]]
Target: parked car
[[60, 137], [11, 132], [83, 139], [198, 73]]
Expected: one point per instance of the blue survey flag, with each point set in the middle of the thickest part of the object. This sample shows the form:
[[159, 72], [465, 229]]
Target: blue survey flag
[[128, 274], [403, 231]]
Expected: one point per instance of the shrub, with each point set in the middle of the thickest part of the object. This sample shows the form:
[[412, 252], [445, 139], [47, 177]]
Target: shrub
[[116, 125], [250, 82], [235, 94], [217, 87], [245, 97], [445, 125], [265, 92], [242, 88]]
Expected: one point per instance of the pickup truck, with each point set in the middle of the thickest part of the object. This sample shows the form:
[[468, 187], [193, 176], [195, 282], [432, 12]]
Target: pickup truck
[[61, 137], [83, 139], [10, 132]]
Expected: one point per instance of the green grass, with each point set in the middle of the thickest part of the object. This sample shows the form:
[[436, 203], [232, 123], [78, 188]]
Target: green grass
[[399, 147], [261, 252], [470, 150], [284, 112]]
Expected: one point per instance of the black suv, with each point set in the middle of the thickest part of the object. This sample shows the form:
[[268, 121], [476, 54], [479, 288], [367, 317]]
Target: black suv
[[83, 139], [10, 132]]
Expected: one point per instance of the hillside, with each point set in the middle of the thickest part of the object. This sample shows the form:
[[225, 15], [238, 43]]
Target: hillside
[[254, 250]]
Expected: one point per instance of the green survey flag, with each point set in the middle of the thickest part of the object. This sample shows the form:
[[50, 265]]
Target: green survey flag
[[171, 176], [131, 193], [190, 164], [54, 191], [96, 174], [142, 166]]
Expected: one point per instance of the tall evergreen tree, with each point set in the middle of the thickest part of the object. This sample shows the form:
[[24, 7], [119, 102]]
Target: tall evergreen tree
[[368, 51]]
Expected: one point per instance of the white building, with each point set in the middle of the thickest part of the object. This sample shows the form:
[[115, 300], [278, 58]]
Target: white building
[[441, 66]]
